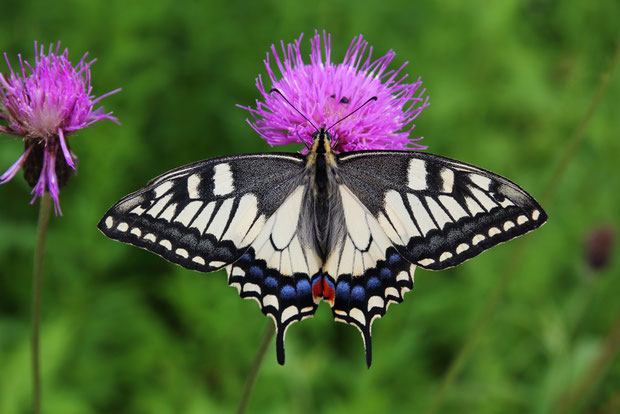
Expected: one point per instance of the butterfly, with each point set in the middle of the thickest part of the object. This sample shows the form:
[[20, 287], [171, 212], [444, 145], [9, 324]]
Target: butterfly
[[347, 228]]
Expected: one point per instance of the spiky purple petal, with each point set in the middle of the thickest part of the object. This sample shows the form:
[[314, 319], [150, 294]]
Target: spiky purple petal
[[44, 108], [326, 92]]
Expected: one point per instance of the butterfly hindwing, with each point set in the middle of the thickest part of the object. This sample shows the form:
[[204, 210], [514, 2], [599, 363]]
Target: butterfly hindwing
[[277, 267], [438, 212], [367, 272], [205, 215]]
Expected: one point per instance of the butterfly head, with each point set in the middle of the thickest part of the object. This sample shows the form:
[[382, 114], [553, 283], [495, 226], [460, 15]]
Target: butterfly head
[[322, 141]]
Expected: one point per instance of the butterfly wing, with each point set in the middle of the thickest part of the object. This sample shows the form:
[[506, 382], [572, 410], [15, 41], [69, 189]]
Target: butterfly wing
[[277, 267], [204, 216], [239, 212], [436, 211], [402, 209], [368, 272]]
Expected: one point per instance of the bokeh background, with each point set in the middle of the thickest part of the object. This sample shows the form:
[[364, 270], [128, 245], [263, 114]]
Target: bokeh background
[[514, 87]]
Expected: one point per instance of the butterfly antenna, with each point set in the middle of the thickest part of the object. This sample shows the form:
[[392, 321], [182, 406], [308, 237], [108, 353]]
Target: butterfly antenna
[[292, 106], [374, 98]]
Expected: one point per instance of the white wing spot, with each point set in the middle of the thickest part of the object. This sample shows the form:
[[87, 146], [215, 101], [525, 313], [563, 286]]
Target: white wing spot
[[358, 315], [222, 180], [535, 214], [521, 219], [481, 181], [402, 276], [286, 219], [159, 206], [192, 186], [136, 232], [150, 237], [354, 215], [243, 218], [473, 207], [123, 227], [438, 213], [271, 300], [477, 239], [493, 231], [237, 271], [453, 207], [483, 198], [165, 243], [169, 212], [216, 263], [425, 262], [289, 313], [445, 256], [461, 248], [109, 222], [508, 225], [251, 287], [182, 252], [391, 291], [421, 214], [375, 302], [399, 216], [416, 174], [216, 227], [199, 260], [447, 180], [187, 214], [162, 189]]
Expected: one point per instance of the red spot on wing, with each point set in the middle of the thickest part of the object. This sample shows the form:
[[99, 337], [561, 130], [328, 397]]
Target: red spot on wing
[[317, 289], [328, 291]]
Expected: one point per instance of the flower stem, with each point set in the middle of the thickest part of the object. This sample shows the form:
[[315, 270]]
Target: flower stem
[[470, 342], [39, 253], [258, 359]]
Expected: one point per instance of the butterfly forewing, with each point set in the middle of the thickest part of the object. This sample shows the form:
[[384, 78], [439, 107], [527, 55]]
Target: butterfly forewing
[[205, 215], [438, 212]]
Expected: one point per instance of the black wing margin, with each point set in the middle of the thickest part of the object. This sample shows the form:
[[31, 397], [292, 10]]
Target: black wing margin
[[438, 212], [205, 215]]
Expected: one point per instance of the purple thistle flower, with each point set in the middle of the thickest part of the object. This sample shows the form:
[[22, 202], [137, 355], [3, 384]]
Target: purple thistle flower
[[326, 92], [44, 108]]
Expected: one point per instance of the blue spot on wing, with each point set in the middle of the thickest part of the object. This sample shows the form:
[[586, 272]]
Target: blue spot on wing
[[343, 290], [358, 293], [271, 282], [287, 292], [385, 273], [303, 287], [394, 258], [373, 283], [255, 271]]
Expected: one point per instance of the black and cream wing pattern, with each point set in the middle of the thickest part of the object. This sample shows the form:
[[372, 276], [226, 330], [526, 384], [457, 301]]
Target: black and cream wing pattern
[[438, 212], [240, 212], [292, 232]]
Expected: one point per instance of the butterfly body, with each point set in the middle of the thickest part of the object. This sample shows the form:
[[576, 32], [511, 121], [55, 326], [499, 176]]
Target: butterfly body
[[349, 229]]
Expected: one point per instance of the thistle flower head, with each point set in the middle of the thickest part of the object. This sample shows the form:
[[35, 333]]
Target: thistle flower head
[[44, 104], [326, 92]]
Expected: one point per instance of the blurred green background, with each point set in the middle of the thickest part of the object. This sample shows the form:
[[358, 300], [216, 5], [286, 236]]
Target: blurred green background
[[126, 332]]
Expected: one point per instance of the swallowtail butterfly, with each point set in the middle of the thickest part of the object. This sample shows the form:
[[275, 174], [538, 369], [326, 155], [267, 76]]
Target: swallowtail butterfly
[[292, 230]]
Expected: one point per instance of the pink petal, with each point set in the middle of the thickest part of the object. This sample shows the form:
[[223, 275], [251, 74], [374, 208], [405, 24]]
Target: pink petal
[[10, 173], [65, 149]]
